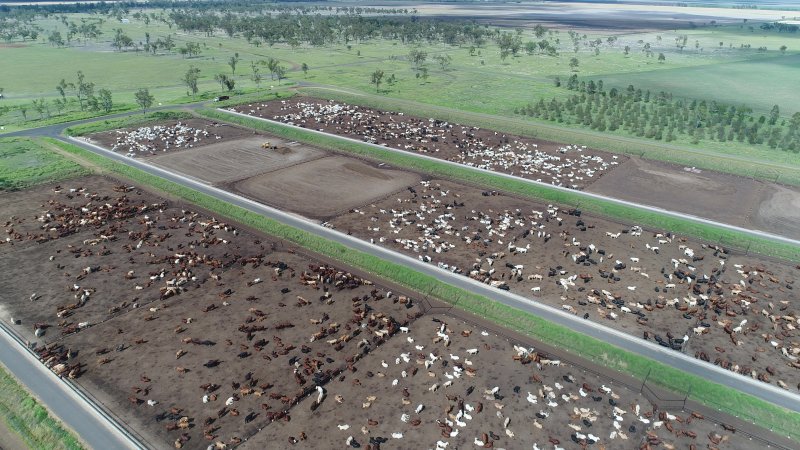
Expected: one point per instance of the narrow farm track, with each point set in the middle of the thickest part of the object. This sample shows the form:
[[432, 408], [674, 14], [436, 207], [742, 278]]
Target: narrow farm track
[[627, 342]]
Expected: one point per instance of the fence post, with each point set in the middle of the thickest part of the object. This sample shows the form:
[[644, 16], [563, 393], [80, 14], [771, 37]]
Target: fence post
[[688, 393], [641, 389]]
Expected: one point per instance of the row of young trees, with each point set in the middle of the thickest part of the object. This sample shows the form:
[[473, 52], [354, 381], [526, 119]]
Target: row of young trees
[[662, 116]]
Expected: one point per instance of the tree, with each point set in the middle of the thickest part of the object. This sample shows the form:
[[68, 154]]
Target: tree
[[144, 99], [627, 50], [377, 77], [573, 64], [190, 79], [783, 49], [256, 76], [84, 91], [40, 106], [232, 61], [222, 79], [121, 40], [105, 101], [417, 57], [24, 110], [661, 58], [774, 115], [280, 72], [272, 63], [443, 60], [62, 89], [304, 67]]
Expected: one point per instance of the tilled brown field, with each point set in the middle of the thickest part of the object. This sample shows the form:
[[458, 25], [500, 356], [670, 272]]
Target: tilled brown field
[[739, 312], [562, 165], [197, 333]]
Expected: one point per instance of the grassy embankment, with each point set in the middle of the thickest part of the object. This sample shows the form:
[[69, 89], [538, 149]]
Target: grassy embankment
[[24, 163], [25, 416], [707, 392], [608, 209]]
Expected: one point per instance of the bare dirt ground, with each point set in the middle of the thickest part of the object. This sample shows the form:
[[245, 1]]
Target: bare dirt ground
[[475, 389], [168, 300], [736, 311], [171, 136], [342, 182], [562, 165], [779, 211], [713, 195], [727, 198], [195, 332], [231, 160]]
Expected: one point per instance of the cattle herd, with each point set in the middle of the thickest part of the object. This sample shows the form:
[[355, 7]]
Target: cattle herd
[[562, 165], [199, 334], [732, 310]]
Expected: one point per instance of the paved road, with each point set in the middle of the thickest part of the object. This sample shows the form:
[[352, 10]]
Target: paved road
[[585, 194], [628, 342], [92, 425]]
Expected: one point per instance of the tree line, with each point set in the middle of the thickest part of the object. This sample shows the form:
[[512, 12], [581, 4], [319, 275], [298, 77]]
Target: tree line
[[662, 116]]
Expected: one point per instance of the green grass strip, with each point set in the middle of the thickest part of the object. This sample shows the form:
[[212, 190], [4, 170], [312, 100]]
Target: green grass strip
[[24, 416], [732, 402], [698, 156], [126, 122], [708, 233], [24, 163]]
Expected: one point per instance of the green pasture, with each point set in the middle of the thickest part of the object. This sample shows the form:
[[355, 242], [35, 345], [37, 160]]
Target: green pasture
[[759, 83], [738, 404], [24, 163]]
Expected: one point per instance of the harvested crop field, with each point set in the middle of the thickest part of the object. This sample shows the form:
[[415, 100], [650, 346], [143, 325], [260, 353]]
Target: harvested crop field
[[562, 165], [228, 161], [195, 332], [167, 137], [325, 186], [739, 312], [739, 201]]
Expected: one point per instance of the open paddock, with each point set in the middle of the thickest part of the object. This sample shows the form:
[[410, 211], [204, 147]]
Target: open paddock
[[447, 384], [232, 334], [739, 201], [325, 186], [562, 165], [171, 136], [232, 160], [657, 286], [172, 300]]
